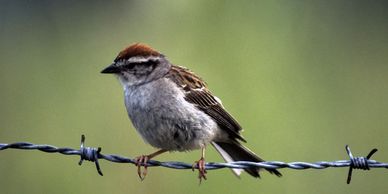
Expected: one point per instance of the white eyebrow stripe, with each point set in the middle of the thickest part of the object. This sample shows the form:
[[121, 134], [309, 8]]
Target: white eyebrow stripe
[[142, 59]]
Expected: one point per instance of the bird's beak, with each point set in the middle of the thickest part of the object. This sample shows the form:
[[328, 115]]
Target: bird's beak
[[112, 68]]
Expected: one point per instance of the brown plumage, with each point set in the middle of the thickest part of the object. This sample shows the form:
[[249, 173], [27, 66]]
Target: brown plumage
[[137, 50], [198, 94]]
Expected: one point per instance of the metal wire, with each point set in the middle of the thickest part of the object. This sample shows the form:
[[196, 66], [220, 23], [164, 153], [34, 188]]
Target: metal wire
[[93, 154]]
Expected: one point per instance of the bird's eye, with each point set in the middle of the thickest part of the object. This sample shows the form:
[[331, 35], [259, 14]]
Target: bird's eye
[[145, 63], [141, 65]]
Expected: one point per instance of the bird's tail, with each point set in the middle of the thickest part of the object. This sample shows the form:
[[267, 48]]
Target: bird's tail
[[236, 152]]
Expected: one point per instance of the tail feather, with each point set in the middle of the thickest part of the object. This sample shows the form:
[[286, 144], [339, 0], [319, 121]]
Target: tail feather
[[237, 152]]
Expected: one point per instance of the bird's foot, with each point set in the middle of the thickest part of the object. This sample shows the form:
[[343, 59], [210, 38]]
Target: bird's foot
[[200, 164], [142, 161]]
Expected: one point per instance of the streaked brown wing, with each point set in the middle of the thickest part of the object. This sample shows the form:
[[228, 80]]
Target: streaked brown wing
[[198, 94]]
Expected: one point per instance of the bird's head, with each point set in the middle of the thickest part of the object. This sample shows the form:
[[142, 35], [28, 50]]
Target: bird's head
[[138, 64]]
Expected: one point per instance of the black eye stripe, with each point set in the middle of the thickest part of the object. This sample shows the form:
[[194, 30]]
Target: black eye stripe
[[130, 66], [146, 63]]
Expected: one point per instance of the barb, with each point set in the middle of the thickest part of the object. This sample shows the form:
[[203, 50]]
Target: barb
[[94, 154]]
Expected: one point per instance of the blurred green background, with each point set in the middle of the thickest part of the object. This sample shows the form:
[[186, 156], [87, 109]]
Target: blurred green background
[[304, 78]]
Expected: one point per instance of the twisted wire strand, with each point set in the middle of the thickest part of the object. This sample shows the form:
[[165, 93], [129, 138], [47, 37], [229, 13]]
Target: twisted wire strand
[[94, 154]]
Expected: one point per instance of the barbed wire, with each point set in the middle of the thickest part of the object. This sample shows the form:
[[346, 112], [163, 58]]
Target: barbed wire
[[94, 154]]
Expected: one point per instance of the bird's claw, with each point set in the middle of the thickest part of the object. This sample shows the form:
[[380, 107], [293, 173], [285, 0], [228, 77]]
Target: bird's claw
[[142, 161], [200, 164]]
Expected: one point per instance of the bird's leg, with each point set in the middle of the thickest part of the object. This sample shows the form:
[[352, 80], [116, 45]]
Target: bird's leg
[[142, 161], [201, 166]]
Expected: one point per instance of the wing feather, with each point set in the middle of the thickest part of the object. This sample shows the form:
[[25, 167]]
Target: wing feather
[[198, 94]]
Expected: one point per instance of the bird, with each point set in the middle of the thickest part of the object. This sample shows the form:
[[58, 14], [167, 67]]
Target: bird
[[173, 110]]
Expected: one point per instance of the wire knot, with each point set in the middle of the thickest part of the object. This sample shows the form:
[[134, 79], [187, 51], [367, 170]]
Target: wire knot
[[90, 154], [358, 162]]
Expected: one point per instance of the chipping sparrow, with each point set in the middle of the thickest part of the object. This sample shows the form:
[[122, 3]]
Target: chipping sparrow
[[173, 110]]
